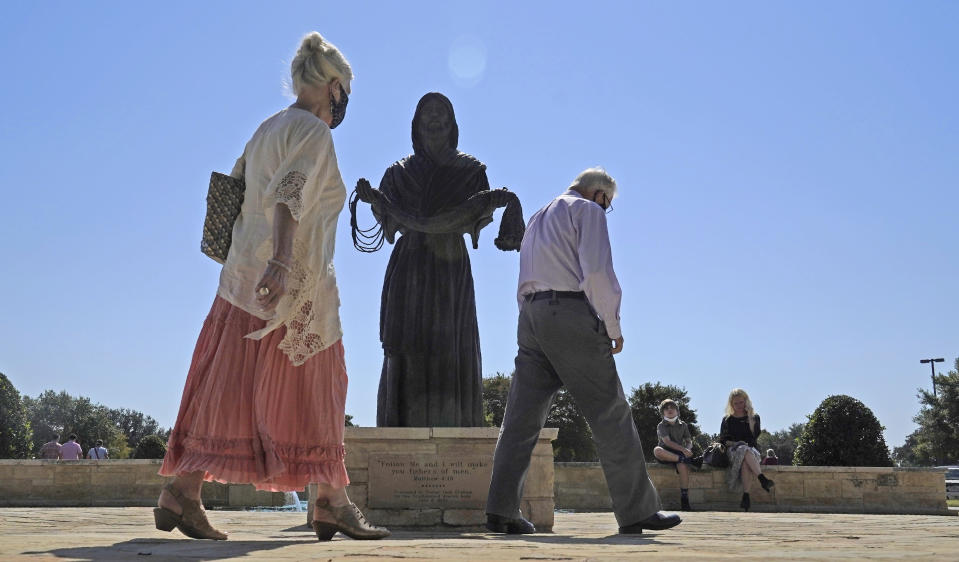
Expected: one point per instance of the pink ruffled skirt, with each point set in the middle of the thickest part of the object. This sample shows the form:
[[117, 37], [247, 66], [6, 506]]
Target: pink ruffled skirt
[[249, 416]]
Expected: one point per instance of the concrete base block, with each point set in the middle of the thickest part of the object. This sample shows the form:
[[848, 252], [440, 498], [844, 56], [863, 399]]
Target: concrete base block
[[464, 517], [415, 477], [405, 517]]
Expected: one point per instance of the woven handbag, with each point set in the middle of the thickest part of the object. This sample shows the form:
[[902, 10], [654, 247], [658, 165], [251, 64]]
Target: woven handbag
[[223, 202]]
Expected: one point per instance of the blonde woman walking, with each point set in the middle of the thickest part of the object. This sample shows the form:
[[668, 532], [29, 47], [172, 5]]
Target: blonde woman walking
[[738, 433], [265, 395]]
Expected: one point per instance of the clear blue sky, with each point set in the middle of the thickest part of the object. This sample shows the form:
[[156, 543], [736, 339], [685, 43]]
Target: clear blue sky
[[788, 174]]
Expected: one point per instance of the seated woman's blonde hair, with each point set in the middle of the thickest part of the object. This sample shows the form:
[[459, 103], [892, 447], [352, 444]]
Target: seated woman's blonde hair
[[750, 413], [317, 62]]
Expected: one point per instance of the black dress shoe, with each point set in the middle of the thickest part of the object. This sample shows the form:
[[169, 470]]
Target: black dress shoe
[[517, 526], [655, 522]]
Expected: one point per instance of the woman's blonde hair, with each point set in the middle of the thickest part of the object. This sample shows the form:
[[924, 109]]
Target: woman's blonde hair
[[317, 62], [750, 413]]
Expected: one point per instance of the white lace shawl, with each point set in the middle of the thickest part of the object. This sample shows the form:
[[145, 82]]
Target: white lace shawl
[[290, 160]]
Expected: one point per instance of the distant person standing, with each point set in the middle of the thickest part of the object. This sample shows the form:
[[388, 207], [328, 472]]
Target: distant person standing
[[71, 450], [51, 449], [99, 452], [770, 458]]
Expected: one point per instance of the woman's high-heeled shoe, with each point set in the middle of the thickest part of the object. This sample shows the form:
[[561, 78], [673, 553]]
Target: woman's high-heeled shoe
[[192, 522], [745, 503], [347, 519]]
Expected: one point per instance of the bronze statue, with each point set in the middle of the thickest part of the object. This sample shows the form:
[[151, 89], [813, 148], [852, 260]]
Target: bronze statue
[[432, 370]]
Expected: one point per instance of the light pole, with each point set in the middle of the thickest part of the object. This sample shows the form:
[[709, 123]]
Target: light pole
[[932, 365]]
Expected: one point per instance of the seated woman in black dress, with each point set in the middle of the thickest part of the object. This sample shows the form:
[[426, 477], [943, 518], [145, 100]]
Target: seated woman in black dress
[[738, 433]]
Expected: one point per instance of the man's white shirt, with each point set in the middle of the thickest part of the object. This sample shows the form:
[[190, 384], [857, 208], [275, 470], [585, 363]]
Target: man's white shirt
[[566, 248]]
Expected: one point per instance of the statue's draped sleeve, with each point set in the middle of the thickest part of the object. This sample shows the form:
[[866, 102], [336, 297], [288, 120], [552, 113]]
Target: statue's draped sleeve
[[440, 213]]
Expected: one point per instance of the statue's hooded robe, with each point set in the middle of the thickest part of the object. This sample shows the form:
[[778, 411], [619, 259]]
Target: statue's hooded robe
[[432, 369]]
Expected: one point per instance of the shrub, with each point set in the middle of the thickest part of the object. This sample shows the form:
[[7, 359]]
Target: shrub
[[842, 432], [575, 440], [150, 447]]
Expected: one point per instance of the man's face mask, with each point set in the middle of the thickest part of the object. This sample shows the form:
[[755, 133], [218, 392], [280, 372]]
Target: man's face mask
[[338, 108], [601, 199]]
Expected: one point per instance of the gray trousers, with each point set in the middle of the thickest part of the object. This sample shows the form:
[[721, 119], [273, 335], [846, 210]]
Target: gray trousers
[[563, 343]]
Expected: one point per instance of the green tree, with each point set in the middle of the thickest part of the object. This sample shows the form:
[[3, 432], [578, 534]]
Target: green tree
[[936, 441], [644, 402], [783, 442], [52, 412], [15, 433], [47, 414], [349, 421], [842, 431], [575, 440], [495, 391], [702, 441], [135, 425], [150, 447], [913, 452]]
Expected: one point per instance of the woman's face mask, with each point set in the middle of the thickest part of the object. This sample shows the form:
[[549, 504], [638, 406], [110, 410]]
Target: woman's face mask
[[338, 108], [672, 419]]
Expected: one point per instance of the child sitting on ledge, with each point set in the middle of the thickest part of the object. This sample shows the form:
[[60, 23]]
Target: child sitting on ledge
[[675, 447]]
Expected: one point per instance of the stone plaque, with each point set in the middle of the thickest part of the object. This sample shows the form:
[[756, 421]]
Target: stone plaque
[[429, 480]]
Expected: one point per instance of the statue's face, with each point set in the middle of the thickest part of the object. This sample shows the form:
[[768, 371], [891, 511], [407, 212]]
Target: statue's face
[[434, 122]]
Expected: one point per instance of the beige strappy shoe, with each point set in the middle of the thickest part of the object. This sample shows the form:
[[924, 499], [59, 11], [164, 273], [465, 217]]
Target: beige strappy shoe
[[192, 522], [347, 519]]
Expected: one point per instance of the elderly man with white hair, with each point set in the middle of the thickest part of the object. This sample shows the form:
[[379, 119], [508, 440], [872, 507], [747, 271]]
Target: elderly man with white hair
[[568, 332]]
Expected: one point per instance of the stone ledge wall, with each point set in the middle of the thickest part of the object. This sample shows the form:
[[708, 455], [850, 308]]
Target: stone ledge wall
[[577, 486], [826, 489], [108, 483]]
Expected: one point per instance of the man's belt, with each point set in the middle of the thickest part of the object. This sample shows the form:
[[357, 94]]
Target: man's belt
[[578, 295]]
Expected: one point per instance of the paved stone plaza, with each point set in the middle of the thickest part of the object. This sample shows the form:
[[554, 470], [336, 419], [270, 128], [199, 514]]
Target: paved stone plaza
[[128, 534]]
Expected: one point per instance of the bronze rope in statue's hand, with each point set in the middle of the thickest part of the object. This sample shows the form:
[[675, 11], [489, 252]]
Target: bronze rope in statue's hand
[[370, 239]]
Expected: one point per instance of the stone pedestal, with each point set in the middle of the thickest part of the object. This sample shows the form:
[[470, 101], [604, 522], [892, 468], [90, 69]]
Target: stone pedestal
[[437, 476]]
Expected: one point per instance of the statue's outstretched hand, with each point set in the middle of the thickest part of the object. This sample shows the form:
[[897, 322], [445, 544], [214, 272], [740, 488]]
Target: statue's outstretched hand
[[511, 227], [366, 192], [501, 197]]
